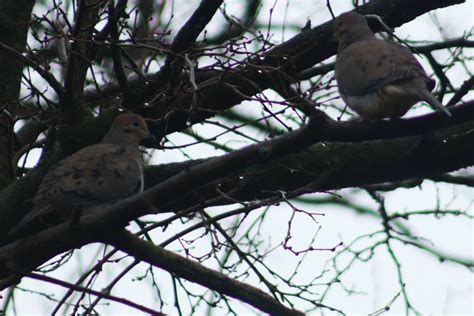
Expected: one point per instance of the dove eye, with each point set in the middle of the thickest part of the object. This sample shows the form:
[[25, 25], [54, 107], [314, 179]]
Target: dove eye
[[136, 124]]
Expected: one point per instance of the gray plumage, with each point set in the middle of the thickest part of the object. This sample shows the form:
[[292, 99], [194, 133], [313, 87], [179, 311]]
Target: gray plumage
[[95, 175], [376, 78]]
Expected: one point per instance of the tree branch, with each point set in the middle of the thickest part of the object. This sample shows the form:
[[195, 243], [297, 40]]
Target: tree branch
[[96, 293], [441, 151], [42, 72], [304, 50], [197, 273], [116, 54], [71, 105], [186, 37]]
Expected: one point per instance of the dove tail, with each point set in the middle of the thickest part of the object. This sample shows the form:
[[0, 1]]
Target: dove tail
[[19, 228], [428, 97], [26, 223]]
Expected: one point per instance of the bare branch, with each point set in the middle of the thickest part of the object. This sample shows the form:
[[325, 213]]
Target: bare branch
[[194, 272]]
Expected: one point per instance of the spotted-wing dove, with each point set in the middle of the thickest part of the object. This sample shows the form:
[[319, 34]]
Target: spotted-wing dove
[[95, 175], [377, 78]]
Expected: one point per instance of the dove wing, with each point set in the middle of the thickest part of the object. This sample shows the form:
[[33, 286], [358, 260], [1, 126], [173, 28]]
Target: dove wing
[[368, 65]]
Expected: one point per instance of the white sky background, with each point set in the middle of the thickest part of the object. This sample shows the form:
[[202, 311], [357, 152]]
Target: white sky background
[[433, 287]]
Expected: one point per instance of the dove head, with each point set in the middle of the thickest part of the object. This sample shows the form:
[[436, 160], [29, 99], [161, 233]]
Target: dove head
[[351, 27], [128, 129]]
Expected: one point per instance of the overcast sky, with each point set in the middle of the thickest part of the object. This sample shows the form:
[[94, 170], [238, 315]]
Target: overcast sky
[[433, 287]]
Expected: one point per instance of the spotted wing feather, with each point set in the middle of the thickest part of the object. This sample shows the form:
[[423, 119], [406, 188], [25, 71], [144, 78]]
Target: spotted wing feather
[[94, 175], [382, 63]]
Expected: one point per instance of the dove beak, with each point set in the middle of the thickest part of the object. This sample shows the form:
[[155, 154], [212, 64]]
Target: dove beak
[[149, 140]]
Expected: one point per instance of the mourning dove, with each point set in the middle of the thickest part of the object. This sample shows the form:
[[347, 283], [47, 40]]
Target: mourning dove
[[95, 175], [376, 78]]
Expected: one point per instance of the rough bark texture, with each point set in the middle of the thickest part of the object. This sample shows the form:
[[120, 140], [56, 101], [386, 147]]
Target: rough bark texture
[[14, 23], [322, 155]]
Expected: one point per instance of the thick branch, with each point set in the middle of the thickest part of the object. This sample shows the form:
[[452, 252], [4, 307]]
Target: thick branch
[[197, 273], [116, 54], [78, 59], [285, 60], [340, 164], [14, 23], [188, 34], [377, 161], [237, 26], [71, 109]]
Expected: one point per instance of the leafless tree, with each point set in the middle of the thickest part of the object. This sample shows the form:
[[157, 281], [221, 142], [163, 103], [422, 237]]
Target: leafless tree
[[68, 68]]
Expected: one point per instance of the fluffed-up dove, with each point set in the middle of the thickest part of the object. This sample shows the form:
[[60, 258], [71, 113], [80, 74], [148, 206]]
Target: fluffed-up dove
[[95, 175], [377, 78]]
